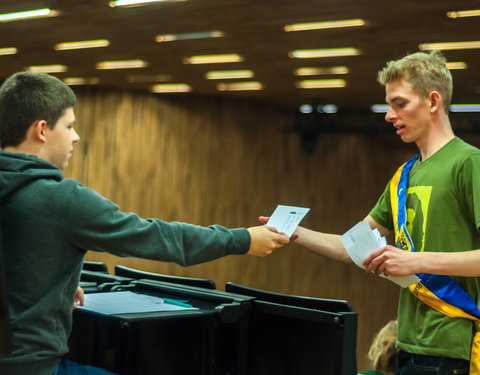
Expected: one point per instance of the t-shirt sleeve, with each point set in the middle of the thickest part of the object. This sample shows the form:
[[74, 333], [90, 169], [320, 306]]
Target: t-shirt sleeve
[[469, 186], [382, 211]]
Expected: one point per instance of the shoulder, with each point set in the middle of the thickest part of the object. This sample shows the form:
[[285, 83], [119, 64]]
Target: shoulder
[[464, 149], [72, 194]]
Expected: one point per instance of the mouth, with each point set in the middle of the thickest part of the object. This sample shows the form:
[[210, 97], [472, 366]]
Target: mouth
[[399, 129]]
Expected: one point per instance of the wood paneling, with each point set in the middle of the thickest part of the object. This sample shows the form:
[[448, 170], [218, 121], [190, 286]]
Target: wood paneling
[[210, 160]]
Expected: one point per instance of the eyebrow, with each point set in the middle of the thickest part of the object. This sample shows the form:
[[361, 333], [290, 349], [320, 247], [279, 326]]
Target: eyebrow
[[394, 99]]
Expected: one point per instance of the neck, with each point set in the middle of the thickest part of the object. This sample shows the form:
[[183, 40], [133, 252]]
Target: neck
[[439, 135], [21, 149]]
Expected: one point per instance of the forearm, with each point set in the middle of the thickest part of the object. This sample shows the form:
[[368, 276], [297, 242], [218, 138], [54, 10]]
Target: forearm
[[324, 244], [464, 263]]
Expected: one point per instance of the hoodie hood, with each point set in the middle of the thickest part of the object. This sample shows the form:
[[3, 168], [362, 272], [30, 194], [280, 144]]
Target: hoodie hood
[[19, 170]]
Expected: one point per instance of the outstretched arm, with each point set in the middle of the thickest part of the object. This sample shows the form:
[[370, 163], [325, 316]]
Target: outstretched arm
[[325, 244]]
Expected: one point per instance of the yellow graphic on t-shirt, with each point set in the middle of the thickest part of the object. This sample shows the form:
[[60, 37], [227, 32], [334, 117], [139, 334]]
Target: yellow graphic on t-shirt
[[418, 200]]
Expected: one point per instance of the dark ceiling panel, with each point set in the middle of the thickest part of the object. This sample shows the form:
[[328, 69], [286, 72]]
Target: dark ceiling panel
[[253, 29]]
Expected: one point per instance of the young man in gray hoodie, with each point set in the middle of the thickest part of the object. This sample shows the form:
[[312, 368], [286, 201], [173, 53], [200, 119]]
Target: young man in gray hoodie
[[48, 222]]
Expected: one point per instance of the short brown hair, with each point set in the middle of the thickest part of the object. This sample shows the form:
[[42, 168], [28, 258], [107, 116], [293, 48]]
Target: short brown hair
[[26, 97]]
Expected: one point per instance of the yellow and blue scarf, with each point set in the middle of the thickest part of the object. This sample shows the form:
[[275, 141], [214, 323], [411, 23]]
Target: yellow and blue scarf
[[440, 292]]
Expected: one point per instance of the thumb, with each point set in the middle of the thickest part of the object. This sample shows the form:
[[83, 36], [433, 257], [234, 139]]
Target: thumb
[[263, 219]]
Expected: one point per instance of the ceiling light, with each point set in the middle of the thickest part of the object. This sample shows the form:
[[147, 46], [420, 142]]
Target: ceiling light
[[305, 108], [465, 108], [324, 25], [81, 44], [379, 108], [121, 3], [121, 64], [229, 74], [188, 36], [327, 52], [213, 59], [171, 87], [464, 13], [321, 83], [8, 51], [449, 45], [456, 65], [37, 13], [48, 68], [327, 108], [240, 86], [320, 71], [72, 81]]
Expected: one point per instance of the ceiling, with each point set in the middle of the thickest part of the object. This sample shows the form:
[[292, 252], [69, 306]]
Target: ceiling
[[252, 28]]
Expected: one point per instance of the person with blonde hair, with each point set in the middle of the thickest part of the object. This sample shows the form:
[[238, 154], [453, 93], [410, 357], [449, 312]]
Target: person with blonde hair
[[432, 204], [382, 352]]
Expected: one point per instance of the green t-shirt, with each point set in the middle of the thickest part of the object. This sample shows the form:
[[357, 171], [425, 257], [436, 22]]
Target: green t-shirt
[[443, 214]]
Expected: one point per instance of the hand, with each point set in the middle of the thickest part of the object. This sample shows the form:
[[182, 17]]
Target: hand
[[392, 261], [79, 299], [264, 220], [264, 240]]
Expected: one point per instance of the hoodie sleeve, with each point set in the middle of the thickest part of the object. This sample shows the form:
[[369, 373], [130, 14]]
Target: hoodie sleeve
[[92, 222]]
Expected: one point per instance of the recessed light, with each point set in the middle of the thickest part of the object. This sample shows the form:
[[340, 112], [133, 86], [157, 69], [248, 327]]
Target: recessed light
[[319, 53], [121, 64], [81, 44], [325, 25], [449, 45], [171, 87], [28, 14], [55, 68], [213, 59], [321, 83], [229, 74]]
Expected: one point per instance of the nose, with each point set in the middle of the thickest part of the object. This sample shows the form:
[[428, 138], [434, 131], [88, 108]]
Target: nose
[[76, 137], [390, 115]]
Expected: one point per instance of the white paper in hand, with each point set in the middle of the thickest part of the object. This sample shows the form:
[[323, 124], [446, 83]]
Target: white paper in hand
[[360, 241], [285, 219]]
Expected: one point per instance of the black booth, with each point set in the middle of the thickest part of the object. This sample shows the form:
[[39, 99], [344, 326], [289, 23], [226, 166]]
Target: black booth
[[240, 331]]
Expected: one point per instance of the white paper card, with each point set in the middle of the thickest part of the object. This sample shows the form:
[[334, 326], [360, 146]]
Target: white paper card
[[360, 241], [286, 218]]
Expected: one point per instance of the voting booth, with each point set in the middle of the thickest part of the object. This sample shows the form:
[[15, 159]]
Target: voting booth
[[145, 327], [193, 331], [304, 335]]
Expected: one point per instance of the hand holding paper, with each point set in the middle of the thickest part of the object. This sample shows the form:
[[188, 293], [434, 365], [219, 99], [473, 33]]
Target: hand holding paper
[[287, 218], [360, 241]]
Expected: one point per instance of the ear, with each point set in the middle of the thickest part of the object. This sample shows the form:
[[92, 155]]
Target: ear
[[39, 128], [435, 101]]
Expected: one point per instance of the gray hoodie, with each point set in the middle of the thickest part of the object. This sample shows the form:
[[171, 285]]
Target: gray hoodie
[[48, 222]]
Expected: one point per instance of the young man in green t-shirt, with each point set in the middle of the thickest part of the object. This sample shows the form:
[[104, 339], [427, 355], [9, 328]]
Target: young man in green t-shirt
[[443, 215]]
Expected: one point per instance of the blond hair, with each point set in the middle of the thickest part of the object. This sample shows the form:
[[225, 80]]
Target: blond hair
[[426, 72], [382, 352]]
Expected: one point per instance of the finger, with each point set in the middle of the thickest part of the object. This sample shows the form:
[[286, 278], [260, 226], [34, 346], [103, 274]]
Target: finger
[[374, 264], [263, 219], [283, 239], [372, 256], [273, 229]]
